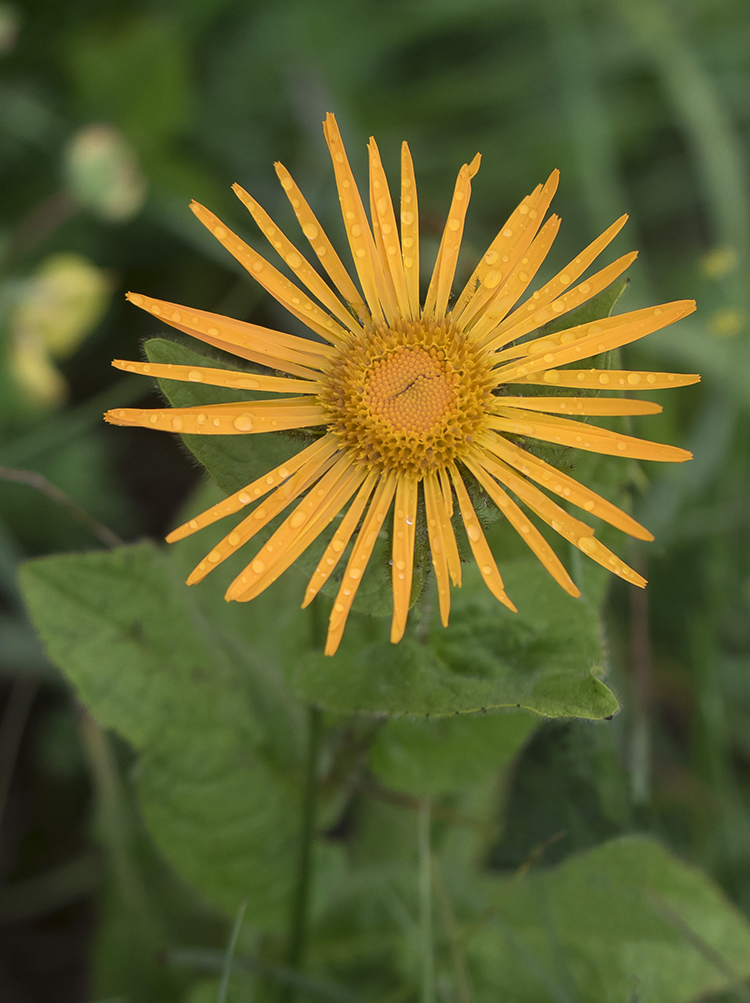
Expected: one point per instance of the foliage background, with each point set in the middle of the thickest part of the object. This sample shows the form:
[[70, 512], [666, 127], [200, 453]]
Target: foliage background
[[643, 105]]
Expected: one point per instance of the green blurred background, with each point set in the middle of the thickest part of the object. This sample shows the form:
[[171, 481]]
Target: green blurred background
[[114, 115]]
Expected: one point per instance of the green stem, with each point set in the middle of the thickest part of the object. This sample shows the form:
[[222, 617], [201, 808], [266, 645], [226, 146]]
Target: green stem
[[301, 901], [425, 902]]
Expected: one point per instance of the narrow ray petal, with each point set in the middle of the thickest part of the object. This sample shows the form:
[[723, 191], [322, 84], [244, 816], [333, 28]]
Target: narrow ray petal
[[312, 458], [320, 243], [516, 223], [291, 297], [361, 241], [404, 520], [410, 229], [585, 340], [449, 537], [259, 344], [563, 485], [479, 546], [225, 419], [582, 405], [437, 517], [504, 252], [509, 292], [589, 437], [386, 231], [564, 278], [299, 265], [577, 533], [378, 510], [298, 531], [622, 379], [525, 529], [276, 502], [555, 516], [439, 290], [233, 378], [494, 338], [340, 540]]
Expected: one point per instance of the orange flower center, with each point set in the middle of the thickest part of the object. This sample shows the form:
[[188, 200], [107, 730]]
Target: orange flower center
[[410, 389], [408, 398]]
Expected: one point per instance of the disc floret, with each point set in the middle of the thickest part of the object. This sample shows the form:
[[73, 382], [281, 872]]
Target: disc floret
[[410, 397]]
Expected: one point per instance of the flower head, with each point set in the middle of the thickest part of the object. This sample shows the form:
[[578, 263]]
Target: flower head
[[407, 398]]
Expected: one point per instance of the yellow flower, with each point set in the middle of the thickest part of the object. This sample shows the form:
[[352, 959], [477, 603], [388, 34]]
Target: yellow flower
[[408, 394]]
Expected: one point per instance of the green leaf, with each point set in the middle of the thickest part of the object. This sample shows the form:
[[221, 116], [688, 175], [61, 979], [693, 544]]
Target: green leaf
[[212, 779], [434, 757], [625, 921], [232, 460], [546, 658]]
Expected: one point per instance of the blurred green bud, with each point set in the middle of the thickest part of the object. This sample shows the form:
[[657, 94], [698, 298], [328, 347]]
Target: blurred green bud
[[103, 174], [59, 305], [10, 23]]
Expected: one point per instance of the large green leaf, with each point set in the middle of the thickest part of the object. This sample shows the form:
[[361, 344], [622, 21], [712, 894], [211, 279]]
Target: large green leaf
[[232, 460], [424, 757], [546, 658], [625, 921], [213, 775]]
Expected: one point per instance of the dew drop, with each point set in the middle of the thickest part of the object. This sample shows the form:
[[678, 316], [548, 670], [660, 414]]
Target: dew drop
[[258, 566], [243, 423]]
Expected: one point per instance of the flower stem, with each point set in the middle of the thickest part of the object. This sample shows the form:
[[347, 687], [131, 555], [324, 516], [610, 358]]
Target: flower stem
[[301, 901], [425, 902]]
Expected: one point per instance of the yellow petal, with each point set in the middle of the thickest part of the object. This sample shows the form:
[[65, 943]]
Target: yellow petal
[[437, 519], [386, 232], [358, 231], [283, 496], [563, 485], [249, 341], [564, 278], [582, 405], [479, 546], [585, 340], [305, 524], [525, 528], [494, 338], [439, 290], [582, 436], [224, 419], [320, 243], [360, 555], [501, 257], [232, 378], [404, 519], [410, 229], [287, 293], [299, 265], [620, 379], [312, 457], [340, 540]]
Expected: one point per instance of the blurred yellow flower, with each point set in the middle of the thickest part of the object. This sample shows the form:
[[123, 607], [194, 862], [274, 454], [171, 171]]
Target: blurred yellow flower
[[59, 306], [410, 396], [726, 323]]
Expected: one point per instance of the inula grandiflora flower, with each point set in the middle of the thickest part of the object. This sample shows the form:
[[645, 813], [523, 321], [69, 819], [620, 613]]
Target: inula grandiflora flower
[[406, 397]]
